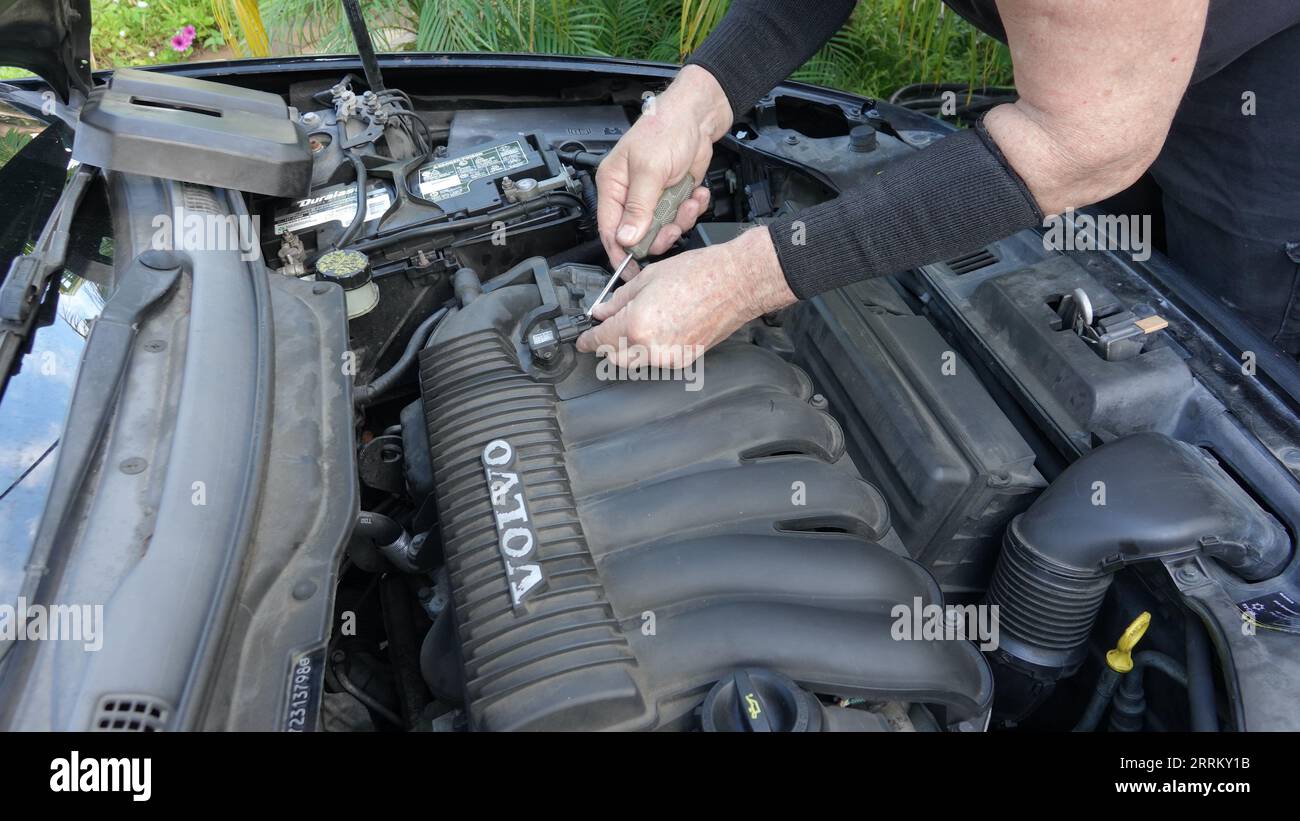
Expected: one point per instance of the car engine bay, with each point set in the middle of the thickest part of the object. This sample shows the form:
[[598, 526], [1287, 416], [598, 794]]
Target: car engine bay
[[927, 502], [609, 618]]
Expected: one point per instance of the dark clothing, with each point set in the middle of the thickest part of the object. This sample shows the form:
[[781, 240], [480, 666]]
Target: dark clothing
[[958, 195], [761, 42], [1230, 179]]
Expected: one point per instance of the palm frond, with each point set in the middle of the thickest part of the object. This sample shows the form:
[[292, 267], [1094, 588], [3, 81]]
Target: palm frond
[[885, 45]]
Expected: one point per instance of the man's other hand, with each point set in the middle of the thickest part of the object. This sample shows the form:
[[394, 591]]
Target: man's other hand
[[683, 305], [673, 136]]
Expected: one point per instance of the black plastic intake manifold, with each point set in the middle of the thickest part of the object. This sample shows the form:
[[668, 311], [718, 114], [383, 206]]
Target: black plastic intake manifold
[[614, 548]]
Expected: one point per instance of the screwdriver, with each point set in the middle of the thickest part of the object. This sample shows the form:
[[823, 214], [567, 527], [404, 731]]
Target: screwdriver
[[665, 210]]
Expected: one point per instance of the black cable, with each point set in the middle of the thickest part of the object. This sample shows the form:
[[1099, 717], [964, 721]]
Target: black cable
[[1102, 694], [364, 395], [359, 218], [424, 129], [397, 92], [552, 199], [366, 699], [590, 159], [414, 134], [590, 199]]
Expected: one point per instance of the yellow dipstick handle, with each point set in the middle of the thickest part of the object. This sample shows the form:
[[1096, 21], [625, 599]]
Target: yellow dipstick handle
[[1121, 658]]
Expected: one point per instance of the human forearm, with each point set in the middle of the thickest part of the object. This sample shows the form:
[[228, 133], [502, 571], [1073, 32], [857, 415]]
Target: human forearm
[[1099, 82]]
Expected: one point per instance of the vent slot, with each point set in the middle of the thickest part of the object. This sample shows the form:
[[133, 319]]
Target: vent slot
[[163, 104], [125, 713], [982, 258]]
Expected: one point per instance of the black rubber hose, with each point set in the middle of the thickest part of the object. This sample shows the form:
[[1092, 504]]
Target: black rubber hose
[[365, 698], [387, 538], [1101, 696], [1200, 678], [552, 199], [377, 528], [467, 286], [586, 158], [1155, 660], [364, 395], [591, 252], [1129, 706], [517, 274], [1164, 497], [590, 200], [359, 218]]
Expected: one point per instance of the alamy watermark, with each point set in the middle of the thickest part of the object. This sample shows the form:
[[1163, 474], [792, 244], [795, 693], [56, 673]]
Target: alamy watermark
[[630, 362], [55, 622], [1072, 231], [192, 231], [954, 622], [74, 773]]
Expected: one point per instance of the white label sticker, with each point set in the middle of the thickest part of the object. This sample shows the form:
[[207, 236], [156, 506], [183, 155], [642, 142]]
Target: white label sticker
[[451, 178], [334, 204]]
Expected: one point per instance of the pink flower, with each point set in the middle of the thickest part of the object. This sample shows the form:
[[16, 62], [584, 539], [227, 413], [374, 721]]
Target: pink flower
[[183, 39]]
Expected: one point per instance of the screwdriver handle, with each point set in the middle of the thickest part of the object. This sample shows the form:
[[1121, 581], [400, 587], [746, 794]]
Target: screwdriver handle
[[665, 211]]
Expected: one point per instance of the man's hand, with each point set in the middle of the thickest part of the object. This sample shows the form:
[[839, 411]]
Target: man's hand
[[675, 135], [688, 303]]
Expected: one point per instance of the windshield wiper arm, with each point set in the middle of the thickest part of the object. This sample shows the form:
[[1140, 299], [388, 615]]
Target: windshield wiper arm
[[20, 294], [144, 282]]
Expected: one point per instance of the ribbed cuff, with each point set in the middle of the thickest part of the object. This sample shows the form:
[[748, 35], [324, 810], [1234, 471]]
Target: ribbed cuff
[[952, 198]]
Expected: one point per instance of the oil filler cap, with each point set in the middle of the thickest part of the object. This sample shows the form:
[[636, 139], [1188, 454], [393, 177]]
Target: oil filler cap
[[755, 700]]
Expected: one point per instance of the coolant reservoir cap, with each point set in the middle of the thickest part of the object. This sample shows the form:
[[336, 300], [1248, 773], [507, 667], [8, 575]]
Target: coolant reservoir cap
[[350, 269], [755, 700]]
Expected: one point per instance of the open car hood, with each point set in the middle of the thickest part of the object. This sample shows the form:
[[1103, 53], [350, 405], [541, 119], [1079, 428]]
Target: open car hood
[[50, 38]]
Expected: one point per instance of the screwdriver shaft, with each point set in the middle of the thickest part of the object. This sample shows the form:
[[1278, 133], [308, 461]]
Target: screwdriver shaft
[[665, 209], [610, 283]]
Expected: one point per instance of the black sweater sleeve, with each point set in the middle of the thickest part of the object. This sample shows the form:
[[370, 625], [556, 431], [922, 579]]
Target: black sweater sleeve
[[949, 199], [761, 42], [955, 196]]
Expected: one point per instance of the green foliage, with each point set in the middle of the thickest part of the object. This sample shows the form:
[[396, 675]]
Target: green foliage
[[12, 141], [139, 32], [318, 26], [891, 43], [887, 43]]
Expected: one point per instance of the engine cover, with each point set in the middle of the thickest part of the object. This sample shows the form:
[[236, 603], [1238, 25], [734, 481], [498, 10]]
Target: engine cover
[[614, 548]]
